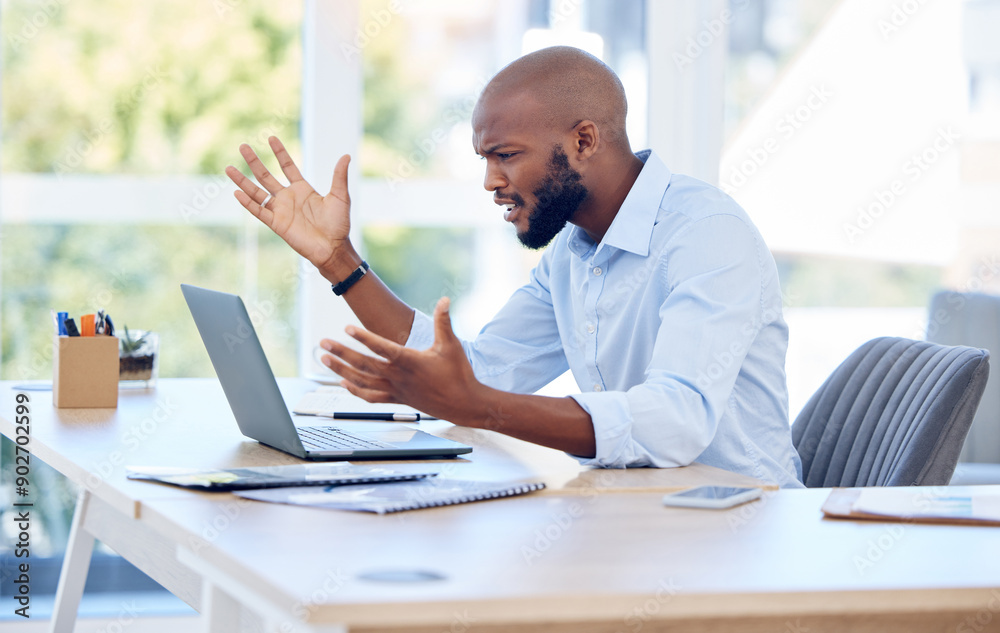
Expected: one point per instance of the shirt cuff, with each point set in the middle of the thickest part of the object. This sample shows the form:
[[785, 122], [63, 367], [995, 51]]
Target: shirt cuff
[[421, 332], [609, 412]]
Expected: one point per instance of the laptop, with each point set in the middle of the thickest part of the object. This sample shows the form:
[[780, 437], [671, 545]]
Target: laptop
[[260, 409]]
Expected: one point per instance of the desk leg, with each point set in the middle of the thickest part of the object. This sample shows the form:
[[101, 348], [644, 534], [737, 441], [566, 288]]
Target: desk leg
[[74, 570], [220, 613]]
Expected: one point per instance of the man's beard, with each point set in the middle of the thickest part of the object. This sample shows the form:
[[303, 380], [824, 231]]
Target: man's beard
[[559, 196]]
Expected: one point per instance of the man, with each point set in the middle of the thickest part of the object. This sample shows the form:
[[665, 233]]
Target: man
[[661, 297]]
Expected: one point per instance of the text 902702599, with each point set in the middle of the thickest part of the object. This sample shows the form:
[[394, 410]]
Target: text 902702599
[[22, 511]]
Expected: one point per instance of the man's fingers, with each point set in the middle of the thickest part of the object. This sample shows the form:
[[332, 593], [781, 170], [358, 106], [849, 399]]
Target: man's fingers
[[362, 379], [443, 331], [368, 395], [339, 186], [381, 346], [253, 192], [260, 172], [285, 161], [263, 214], [355, 358]]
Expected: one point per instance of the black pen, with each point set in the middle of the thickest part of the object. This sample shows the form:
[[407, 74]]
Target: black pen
[[382, 417]]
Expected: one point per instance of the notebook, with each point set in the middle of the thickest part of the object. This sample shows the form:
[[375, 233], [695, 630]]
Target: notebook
[[393, 497], [224, 479], [260, 409]]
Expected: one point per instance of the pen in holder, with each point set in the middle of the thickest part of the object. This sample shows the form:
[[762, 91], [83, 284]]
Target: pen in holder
[[85, 372]]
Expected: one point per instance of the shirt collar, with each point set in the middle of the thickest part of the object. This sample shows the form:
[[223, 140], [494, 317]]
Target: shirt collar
[[632, 228]]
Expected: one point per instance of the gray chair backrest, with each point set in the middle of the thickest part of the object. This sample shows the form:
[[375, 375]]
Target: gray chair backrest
[[972, 318], [895, 413]]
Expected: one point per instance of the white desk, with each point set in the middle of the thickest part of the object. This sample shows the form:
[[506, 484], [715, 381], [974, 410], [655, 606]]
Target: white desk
[[595, 552]]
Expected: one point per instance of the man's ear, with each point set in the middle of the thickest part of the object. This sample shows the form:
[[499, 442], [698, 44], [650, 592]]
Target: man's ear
[[586, 140]]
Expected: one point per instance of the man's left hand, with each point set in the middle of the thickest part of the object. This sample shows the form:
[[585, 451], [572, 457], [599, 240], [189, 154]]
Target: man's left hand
[[438, 381]]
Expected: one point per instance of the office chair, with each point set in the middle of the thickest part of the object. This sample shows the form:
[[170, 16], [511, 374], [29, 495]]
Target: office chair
[[895, 413], [972, 318]]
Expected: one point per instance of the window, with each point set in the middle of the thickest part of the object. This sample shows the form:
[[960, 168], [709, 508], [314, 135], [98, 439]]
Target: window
[[859, 140], [118, 119]]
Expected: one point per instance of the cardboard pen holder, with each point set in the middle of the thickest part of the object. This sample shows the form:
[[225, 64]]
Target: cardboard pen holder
[[85, 372]]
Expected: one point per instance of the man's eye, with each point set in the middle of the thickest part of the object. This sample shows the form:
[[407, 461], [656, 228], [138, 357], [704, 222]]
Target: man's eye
[[504, 156]]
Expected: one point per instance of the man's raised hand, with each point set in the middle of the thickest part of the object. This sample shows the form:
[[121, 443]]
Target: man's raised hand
[[438, 380], [316, 226]]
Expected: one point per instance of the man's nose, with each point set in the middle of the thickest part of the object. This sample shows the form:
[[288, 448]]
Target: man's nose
[[494, 179]]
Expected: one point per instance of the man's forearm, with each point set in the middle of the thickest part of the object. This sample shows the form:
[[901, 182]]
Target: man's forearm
[[559, 423], [379, 310]]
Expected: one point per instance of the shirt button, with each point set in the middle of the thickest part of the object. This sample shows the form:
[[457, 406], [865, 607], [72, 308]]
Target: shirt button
[[590, 328], [597, 271], [598, 388]]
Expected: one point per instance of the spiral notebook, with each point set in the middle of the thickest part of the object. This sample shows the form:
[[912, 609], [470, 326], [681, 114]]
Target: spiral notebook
[[393, 497]]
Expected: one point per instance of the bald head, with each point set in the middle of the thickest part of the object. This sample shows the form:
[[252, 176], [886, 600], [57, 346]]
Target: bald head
[[563, 85]]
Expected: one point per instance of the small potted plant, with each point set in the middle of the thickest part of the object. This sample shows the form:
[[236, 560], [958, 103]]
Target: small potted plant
[[137, 356]]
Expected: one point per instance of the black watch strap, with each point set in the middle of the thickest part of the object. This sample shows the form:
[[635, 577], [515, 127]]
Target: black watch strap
[[344, 286]]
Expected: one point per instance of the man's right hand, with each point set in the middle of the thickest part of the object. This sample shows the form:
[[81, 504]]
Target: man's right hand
[[317, 227]]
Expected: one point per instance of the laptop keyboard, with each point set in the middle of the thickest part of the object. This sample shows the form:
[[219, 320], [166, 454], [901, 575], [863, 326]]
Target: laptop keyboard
[[332, 438]]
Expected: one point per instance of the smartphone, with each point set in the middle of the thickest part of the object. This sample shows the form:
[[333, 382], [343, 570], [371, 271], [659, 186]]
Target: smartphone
[[711, 497]]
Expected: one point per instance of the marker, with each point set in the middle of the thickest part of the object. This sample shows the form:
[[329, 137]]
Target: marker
[[88, 323]]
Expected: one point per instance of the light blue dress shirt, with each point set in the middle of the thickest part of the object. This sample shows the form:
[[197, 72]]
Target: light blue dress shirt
[[671, 326]]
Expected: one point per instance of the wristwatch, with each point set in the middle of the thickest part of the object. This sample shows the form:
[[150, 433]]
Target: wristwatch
[[344, 286]]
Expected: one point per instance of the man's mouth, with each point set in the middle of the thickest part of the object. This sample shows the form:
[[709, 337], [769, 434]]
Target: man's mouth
[[510, 206]]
